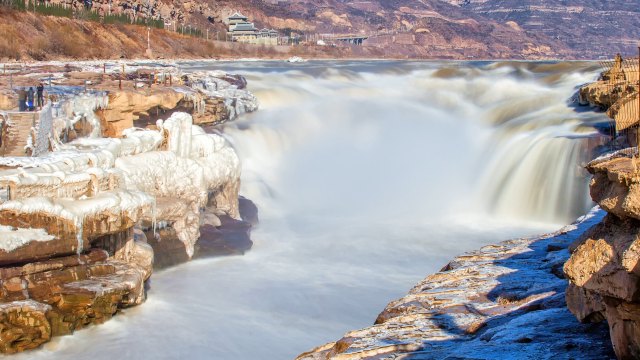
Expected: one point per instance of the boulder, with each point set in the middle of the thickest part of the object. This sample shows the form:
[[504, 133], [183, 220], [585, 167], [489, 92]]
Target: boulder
[[615, 185], [597, 263], [23, 326]]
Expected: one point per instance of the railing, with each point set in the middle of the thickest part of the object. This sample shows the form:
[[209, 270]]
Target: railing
[[622, 80]]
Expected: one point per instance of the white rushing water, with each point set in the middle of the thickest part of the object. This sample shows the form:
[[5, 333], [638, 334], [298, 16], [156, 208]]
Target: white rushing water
[[368, 177]]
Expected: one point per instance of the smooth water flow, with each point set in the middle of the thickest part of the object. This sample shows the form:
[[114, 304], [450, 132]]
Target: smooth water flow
[[368, 177]]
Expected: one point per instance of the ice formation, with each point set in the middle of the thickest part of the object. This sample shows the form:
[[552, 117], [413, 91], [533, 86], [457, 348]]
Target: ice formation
[[75, 107], [93, 175], [79, 212], [214, 84]]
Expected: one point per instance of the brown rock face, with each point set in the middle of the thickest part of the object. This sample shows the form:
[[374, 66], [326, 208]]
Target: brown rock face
[[604, 268], [58, 296], [128, 105], [607, 260], [23, 326], [615, 186], [605, 94]]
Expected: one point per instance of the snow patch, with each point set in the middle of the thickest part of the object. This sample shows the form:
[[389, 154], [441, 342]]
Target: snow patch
[[12, 238]]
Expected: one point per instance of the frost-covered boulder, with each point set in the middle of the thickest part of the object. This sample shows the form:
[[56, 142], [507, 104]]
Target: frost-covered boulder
[[225, 96]]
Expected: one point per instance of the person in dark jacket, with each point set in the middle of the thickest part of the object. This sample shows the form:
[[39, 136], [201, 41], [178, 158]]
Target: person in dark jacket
[[30, 96], [40, 91], [22, 100]]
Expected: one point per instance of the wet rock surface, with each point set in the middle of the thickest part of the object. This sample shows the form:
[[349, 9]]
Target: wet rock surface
[[501, 302], [58, 296]]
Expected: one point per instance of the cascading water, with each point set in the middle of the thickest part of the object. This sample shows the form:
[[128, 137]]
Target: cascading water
[[368, 176]]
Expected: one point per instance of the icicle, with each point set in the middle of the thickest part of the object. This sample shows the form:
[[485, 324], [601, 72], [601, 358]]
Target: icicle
[[79, 229], [153, 217]]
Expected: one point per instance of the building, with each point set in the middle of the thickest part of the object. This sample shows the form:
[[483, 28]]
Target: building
[[241, 30]]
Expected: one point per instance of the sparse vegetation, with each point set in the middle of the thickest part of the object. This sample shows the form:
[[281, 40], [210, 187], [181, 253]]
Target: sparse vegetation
[[61, 10]]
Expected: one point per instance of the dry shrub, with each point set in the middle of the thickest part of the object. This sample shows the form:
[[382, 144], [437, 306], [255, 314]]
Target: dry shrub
[[39, 49], [66, 41], [9, 43]]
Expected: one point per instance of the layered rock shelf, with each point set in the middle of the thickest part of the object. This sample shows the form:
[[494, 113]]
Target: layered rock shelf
[[503, 301], [84, 223]]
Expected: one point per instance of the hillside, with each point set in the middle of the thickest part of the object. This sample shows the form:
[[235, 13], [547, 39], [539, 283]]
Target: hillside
[[26, 36], [445, 29]]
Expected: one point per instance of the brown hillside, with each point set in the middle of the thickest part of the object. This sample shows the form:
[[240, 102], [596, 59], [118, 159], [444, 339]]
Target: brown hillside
[[26, 36]]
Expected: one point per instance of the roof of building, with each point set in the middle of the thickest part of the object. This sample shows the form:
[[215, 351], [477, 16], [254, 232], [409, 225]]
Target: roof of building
[[244, 27], [238, 15]]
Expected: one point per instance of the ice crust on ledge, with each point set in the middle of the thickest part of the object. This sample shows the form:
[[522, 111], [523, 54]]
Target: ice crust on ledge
[[124, 176]]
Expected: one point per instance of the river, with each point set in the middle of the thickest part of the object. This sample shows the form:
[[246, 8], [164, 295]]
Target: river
[[368, 176]]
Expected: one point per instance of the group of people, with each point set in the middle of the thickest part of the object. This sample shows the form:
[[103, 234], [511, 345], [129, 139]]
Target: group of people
[[26, 98]]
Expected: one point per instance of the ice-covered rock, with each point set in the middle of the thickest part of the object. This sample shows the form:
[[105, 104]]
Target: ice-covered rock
[[228, 88], [504, 301], [99, 193]]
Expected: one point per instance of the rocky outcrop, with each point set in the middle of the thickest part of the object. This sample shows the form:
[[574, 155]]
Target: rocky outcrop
[[79, 226], [603, 94], [210, 97], [87, 218], [501, 302], [604, 268]]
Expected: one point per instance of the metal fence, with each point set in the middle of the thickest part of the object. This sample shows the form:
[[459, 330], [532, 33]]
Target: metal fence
[[621, 77]]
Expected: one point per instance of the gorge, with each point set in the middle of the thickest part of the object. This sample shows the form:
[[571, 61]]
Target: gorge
[[368, 175]]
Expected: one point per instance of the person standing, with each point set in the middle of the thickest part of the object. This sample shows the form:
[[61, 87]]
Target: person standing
[[22, 99], [40, 92], [30, 96]]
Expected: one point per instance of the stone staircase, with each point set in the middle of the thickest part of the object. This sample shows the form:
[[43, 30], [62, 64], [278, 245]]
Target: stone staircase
[[14, 138]]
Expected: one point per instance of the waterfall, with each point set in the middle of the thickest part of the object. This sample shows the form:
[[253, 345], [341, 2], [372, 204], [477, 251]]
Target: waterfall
[[503, 140], [368, 176]]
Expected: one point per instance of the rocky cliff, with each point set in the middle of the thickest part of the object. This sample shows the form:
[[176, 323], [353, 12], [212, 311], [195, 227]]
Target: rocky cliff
[[83, 226], [604, 268]]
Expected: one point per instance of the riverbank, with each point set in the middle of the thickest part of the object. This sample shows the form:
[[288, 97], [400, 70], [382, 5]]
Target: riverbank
[[503, 301], [34, 37], [110, 179]]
